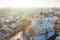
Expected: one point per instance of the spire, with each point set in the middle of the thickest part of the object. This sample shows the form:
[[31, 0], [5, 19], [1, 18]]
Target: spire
[[41, 13]]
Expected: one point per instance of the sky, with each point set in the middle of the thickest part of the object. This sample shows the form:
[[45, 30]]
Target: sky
[[29, 3]]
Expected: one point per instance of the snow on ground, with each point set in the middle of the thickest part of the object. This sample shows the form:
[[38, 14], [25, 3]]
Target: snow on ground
[[57, 38], [18, 36], [41, 26]]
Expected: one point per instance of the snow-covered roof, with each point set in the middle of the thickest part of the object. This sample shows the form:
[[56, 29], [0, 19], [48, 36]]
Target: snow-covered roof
[[57, 38], [40, 25], [1, 20], [13, 25]]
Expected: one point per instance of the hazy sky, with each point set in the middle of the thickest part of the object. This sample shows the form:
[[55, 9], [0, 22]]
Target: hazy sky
[[29, 3]]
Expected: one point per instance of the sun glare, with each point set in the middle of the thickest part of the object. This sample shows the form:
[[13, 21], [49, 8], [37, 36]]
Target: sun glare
[[28, 3]]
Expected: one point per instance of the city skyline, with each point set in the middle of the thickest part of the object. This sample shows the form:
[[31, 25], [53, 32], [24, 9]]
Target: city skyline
[[29, 3]]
